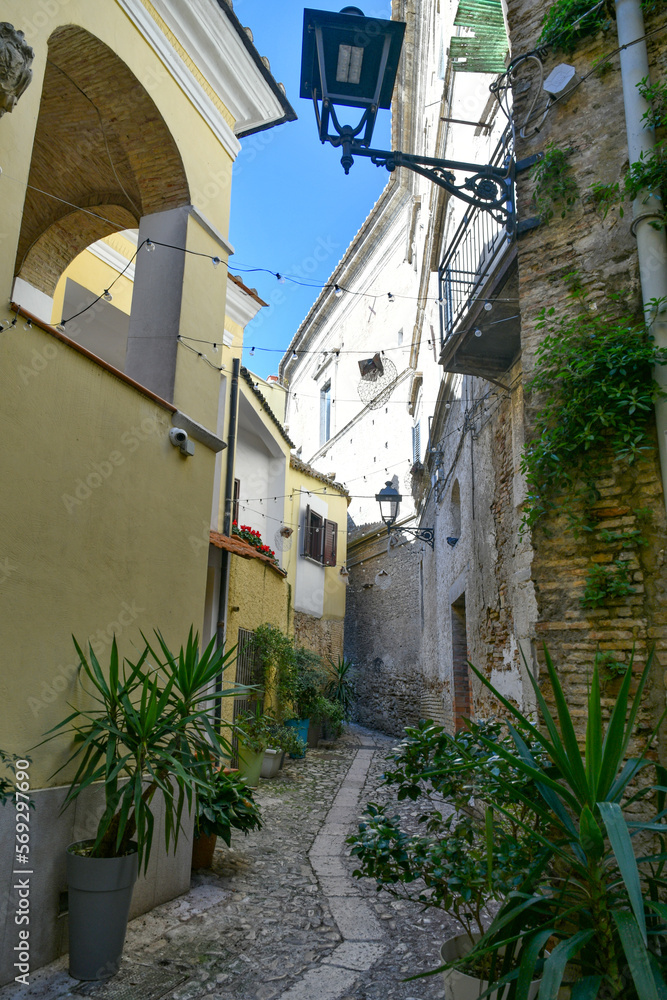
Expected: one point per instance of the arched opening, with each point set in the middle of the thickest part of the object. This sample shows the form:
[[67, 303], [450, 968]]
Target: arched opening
[[102, 159]]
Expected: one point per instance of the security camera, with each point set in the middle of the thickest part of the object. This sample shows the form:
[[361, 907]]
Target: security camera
[[179, 438]]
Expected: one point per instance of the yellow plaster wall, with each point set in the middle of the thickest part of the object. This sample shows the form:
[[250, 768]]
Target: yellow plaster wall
[[261, 596], [94, 274], [97, 514]]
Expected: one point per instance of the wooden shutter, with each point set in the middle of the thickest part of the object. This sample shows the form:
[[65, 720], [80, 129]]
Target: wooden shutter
[[330, 543], [305, 551], [235, 500]]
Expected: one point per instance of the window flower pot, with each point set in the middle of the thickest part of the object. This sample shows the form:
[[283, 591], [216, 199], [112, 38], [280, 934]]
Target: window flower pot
[[459, 986], [100, 893]]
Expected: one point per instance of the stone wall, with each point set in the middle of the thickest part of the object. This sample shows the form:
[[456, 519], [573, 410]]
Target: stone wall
[[590, 126], [382, 632], [323, 635]]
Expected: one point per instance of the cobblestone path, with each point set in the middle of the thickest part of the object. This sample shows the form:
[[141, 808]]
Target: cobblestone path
[[279, 916]]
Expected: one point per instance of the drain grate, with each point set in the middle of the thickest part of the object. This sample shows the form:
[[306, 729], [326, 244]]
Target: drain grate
[[134, 982]]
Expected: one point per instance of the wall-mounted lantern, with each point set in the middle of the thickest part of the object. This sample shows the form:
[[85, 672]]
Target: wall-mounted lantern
[[390, 502]]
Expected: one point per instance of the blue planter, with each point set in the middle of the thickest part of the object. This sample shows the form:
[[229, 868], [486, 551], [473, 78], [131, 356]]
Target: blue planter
[[301, 726]]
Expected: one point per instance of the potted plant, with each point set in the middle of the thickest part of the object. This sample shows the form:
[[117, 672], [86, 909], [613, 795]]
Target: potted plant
[[142, 734], [330, 715], [600, 823], [253, 733], [283, 740], [224, 803], [340, 687], [463, 859]]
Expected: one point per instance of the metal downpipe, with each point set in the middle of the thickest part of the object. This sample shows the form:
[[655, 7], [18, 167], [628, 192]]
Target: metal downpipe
[[651, 242]]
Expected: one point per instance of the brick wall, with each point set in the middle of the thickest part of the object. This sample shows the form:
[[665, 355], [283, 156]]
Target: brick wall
[[324, 636]]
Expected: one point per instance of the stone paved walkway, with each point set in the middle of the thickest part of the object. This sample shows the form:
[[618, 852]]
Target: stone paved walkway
[[279, 917]]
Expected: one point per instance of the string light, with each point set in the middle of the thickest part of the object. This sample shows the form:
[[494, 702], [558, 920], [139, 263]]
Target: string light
[[216, 261], [338, 291], [390, 296], [281, 279], [478, 332], [107, 295], [252, 352], [150, 246]]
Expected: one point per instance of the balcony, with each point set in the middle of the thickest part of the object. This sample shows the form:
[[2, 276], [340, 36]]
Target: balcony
[[479, 322]]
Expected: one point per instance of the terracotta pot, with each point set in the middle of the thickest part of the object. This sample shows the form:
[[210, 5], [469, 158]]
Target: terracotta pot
[[203, 847]]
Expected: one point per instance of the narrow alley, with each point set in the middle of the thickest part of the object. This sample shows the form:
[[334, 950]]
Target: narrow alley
[[280, 917]]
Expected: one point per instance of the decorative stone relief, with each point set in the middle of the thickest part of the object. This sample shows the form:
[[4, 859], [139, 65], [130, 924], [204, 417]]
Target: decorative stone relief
[[15, 60]]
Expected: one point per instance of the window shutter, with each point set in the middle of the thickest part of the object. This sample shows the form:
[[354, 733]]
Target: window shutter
[[307, 533], [235, 500], [330, 543]]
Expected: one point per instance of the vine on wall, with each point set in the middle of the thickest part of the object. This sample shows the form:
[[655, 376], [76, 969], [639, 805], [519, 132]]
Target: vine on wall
[[594, 371]]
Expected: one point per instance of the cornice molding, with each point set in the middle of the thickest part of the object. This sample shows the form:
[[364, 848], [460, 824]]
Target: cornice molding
[[240, 307], [158, 41], [113, 258]]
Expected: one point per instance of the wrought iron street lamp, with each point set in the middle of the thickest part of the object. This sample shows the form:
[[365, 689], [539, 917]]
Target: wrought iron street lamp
[[390, 502], [350, 60]]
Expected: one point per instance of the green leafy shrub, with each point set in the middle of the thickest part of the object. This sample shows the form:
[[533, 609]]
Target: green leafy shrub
[[225, 803], [466, 854], [340, 687]]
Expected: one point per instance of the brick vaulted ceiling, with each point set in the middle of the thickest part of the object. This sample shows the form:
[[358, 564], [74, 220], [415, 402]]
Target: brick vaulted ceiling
[[101, 145]]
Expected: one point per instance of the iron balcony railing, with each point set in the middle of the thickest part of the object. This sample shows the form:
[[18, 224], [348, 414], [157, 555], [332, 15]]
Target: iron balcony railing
[[472, 256]]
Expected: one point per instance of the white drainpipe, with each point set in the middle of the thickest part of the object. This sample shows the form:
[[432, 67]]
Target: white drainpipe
[[651, 243]]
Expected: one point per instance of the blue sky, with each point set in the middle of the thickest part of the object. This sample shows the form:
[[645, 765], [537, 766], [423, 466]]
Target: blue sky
[[293, 209]]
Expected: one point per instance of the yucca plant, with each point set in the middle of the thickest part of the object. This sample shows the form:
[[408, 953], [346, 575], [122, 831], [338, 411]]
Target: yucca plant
[[146, 732], [340, 687], [594, 900]]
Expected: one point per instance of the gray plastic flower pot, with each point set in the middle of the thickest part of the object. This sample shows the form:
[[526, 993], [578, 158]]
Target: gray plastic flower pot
[[100, 893]]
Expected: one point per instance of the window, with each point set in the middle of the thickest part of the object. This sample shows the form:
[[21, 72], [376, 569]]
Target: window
[[320, 538], [235, 500], [416, 443], [325, 412]]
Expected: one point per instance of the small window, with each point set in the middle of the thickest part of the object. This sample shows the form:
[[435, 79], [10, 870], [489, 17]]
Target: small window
[[416, 443], [320, 538], [325, 412]]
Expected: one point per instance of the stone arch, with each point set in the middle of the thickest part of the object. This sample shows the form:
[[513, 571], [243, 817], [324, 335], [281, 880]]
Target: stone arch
[[102, 158]]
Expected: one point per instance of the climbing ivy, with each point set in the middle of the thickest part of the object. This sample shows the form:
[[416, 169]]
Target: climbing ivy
[[555, 188], [593, 374], [568, 22]]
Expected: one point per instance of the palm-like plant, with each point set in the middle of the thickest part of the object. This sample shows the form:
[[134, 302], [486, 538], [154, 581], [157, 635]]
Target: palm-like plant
[[594, 895], [340, 687], [147, 732]]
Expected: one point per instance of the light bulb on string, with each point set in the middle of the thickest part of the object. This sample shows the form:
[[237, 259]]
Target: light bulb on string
[[280, 278], [294, 357], [107, 295], [150, 246], [338, 291], [478, 332], [215, 348], [27, 325], [252, 352], [390, 296], [488, 306], [215, 261]]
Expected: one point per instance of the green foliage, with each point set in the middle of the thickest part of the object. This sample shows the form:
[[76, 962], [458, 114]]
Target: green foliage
[[555, 188], [225, 803], [594, 372], [604, 583], [466, 854], [607, 196], [608, 663], [340, 687], [330, 713], [567, 22], [258, 731], [296, 673], [146, 731], [6, 784], [596, 896]]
